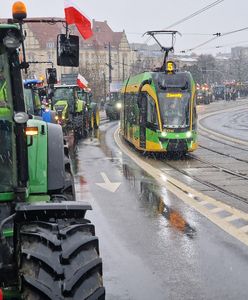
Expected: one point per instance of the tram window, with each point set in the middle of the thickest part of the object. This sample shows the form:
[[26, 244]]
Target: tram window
[[151, 112], [135, 109], [131, 112], [194, 114]]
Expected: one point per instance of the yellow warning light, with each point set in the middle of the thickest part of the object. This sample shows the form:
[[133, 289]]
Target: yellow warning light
[[170, 66], [19, 10], [30, 131]]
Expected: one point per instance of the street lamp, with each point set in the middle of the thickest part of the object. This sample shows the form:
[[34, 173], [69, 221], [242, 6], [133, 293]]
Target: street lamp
[[104, 86], [109, 64]]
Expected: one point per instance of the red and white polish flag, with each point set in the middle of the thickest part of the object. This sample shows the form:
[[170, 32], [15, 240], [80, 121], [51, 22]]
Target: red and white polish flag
[[82, 82], [74, 16]]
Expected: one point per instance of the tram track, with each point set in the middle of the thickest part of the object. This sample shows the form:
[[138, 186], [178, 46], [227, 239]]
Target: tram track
[[220, 168], [210, 184], [226, 143], [224, 154], [217, 136]]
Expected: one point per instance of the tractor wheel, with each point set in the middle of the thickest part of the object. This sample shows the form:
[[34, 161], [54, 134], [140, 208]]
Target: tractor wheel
[[69, 188], [59, 261]]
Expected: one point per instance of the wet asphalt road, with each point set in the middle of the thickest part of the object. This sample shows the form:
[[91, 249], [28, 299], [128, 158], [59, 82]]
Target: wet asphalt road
[[153, 245], [230, 123]]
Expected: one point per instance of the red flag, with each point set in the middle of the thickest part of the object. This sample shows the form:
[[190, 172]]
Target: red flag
[[82, 82], [74, 16]]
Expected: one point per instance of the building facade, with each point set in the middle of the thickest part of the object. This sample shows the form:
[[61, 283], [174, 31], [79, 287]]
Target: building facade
[[107, 54]]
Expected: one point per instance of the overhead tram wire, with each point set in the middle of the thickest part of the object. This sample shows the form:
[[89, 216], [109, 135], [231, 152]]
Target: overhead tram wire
[[226, 45], [216, 35], [196, 13]]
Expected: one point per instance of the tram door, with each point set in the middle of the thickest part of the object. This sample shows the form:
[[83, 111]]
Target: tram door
[[125, 113], [143, 120]]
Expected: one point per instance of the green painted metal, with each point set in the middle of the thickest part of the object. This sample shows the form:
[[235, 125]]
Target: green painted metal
[[8, 232], [39, 198], [65, 112], [10, 294], [37, 157], [7, 196], [9, 26]]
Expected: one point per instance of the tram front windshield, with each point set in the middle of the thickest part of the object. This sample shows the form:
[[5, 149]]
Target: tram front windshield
[[174, 109]]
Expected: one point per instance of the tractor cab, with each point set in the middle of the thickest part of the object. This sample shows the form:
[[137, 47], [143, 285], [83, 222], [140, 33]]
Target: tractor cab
[[31, 96], [37, 101], [67, 103], [8, 168]]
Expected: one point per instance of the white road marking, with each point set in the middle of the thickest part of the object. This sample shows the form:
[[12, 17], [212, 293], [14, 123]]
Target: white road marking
[[183, 192], [108, 185]]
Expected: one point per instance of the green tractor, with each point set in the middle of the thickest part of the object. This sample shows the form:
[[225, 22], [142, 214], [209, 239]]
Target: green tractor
[[72, 113], [75, 109], [48, 249], [92, 107]]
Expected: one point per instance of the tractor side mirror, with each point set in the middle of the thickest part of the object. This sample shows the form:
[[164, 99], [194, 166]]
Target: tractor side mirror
[[67, 50]]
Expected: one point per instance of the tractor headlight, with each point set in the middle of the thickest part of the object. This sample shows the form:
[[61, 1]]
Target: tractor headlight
[[188, 134], [164, 134], [11, 40], [21, 117], [118, 105]]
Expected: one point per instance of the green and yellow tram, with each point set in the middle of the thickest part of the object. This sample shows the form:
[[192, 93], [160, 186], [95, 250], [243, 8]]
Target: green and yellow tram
[[159, 111]]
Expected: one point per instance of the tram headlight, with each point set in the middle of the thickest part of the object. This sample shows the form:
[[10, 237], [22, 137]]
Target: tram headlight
[[118, 105], [188, 134], [164, 134]]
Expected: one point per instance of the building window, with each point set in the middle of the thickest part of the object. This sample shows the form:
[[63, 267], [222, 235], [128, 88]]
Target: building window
[[50, 45]]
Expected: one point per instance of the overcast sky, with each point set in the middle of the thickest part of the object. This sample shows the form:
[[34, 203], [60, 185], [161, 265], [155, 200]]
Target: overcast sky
[[138, 16]]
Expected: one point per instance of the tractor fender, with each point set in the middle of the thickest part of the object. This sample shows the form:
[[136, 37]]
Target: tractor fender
[[46, 210], [55, 152]]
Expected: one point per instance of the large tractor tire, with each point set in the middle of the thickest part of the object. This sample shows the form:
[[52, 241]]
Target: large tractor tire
[[59, 261]]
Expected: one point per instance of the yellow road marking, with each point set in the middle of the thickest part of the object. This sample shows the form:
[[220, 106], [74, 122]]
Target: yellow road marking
[[216, 210], [231, 218], [188, 195], [244, 229]]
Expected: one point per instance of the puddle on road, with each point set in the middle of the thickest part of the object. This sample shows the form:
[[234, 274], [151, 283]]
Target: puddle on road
[[152, 198]]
